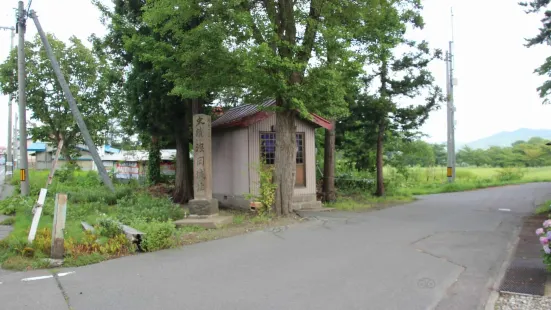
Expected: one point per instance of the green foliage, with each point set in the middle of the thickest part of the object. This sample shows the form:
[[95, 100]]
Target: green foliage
[[348, 179], [154, 162], [88, 201], [509, 174], [92, 80], [83, 260], [531, 153], [147, 208], [267, 189], [43, 241], [10, 205], [109, 228], [535, 7], [158, 235], [8, 221], [158, 97]]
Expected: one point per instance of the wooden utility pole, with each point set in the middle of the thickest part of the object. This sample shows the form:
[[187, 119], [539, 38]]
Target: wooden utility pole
[[329, 164], [23, 160], [72, 104], [58, 226]]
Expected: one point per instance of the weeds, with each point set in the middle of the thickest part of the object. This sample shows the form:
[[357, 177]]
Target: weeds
[[8, 221]]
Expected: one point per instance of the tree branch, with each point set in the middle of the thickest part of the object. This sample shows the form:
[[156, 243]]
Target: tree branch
[[311, 31]]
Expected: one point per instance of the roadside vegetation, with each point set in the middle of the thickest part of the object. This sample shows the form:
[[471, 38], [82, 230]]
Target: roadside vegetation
[[149, 210], [418, 168]]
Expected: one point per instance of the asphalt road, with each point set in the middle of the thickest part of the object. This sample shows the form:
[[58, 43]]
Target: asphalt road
[[440, 252]]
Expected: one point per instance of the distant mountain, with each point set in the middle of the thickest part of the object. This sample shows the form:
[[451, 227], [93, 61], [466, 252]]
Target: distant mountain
[[506, 138]]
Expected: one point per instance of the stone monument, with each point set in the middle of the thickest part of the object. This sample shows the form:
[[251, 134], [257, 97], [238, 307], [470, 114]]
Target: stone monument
[[203, 209], [203, 204]]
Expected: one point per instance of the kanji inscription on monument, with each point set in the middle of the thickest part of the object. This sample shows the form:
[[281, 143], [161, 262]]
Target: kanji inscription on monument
[[203, 203], [203, 208]]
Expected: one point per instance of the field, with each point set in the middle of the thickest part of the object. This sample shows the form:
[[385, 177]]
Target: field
[[431, 181], [355, 192]]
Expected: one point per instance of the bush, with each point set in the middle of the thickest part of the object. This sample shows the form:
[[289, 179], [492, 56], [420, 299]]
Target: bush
[[267, 189], [509, 174], [107, 227], [43, 241], [544, 235], [92, 243], [465, 175], [14, 203], [147, 208], [348, 183], [158, 235]]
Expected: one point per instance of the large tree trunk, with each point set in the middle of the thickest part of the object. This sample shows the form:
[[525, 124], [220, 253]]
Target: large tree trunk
[[183, 190], [329, 165], [154, 161], [71, 162], [380, 179], [285, 161]]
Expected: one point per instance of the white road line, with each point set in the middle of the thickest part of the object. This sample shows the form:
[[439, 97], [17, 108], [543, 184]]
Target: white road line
[[46, 277], [36, 278], [64, 273], [506, 210]]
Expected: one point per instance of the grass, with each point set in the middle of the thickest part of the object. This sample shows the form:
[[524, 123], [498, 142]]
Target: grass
[[8, 221], [364, 202], [424, 181], [544, 208], [88, 200]]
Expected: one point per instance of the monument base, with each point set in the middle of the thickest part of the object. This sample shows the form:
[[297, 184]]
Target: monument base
[[203, 207], [213, 221]]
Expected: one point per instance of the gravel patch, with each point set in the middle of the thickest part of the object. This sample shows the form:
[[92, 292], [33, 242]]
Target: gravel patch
[[522, 302]]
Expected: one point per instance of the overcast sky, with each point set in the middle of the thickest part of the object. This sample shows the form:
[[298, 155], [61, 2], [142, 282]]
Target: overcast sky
[[497, 87]]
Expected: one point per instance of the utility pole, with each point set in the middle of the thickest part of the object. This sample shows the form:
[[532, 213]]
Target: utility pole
[[23, 160], [15, 143], [72, 104], [9, 159], [451, 110]]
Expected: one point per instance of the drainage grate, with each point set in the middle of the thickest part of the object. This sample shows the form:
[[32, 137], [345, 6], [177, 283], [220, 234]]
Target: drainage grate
[[527, 273], [524, 280]]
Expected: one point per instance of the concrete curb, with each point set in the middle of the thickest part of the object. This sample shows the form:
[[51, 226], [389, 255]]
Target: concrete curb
[[494, 294]]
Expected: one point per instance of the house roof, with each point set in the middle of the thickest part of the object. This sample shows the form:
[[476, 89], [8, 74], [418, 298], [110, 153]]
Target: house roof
[[37, 147], [108, 148], [248, 114]]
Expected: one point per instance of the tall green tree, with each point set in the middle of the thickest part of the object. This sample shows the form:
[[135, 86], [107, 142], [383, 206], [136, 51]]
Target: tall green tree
[[376, 115], [91, 78], [440, 154], [390, 114], [273, 45], [154, 105], [543, 37]]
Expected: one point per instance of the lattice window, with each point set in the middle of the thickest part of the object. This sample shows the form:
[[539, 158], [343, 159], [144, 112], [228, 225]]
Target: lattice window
[[267, 147], [268, 144]]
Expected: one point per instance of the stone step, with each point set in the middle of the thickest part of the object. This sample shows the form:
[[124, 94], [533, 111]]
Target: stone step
[[307, 205], [304, 198]]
